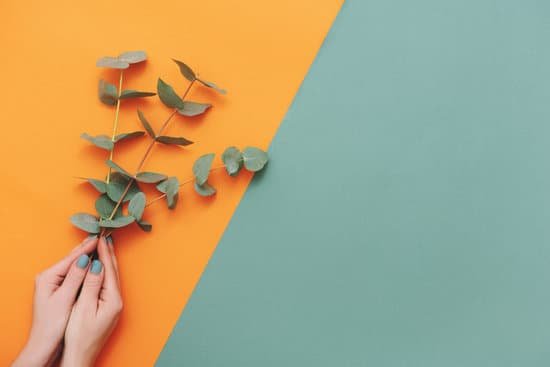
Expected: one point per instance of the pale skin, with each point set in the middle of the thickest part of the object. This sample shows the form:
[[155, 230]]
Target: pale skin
[[77, 303]]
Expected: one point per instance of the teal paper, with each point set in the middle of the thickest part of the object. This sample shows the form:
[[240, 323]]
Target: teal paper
[[404, 218]]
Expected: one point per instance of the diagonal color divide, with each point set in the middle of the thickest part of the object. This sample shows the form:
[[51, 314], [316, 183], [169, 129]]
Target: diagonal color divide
[[403, 220], [259, 51]]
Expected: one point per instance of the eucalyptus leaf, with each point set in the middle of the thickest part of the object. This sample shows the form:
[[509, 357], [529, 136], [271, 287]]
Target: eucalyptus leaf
[[232, 158], [105, 206], [185, 70], [117, 168], [173, 140], [100, 141], [85, 222], [130, 93], [133, 57], [116, 222], [150, 177], [126, 136], [144, 225], [168, 96], [170, 187], [146, 124], [136, 206], [191, 109], [254, 159], [213, 86], [99, 185], [118, 184], [205, 189], [201, 167], [107, 92], [112, 63]]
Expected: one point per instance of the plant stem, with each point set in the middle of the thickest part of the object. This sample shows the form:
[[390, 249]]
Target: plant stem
[[147, 152], [181, 185], [115, 125]]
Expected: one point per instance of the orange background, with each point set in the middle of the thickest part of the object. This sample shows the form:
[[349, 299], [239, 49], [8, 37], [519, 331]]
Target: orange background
[[258, 50]]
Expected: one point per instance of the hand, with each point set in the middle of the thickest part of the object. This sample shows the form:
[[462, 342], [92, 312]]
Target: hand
[[55, 292], [96, 311]]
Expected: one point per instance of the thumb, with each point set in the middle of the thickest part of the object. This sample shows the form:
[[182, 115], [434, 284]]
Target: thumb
[[89, 295]]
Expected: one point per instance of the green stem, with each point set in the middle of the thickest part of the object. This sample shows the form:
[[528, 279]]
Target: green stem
[[115, 124]]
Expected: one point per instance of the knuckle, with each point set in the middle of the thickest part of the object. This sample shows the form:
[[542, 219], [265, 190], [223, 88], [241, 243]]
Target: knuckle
[[92, 282]]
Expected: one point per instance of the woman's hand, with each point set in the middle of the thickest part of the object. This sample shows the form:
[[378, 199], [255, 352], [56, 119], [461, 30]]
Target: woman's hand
[[95, 313], [55, 293]]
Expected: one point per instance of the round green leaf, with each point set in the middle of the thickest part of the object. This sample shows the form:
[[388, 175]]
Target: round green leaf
[[100, 141], [191, 109], [232, 158], [168, 96], [185, 70], [254, 159], [105, 206], [132, 57], [137, 206], [112, 63], [86, 222], [205, 189], [99, 185], [117, 185], [201, 167], [150, 177], [170, 187], [116, 222], [107, 92]]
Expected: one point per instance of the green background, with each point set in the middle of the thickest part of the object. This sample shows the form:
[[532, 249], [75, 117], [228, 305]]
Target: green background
[[403, 218]]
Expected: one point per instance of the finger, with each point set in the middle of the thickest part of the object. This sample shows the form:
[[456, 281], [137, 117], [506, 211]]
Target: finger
[[110, 285], [72, 282], [111, 247], [89, 295], [63, 266]]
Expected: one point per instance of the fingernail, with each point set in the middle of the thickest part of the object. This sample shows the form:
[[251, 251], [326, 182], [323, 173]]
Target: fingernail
[[96, 267], [110, 240], [83, 261]]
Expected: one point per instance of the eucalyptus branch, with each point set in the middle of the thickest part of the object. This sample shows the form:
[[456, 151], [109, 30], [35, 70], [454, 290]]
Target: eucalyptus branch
[[122, 186]]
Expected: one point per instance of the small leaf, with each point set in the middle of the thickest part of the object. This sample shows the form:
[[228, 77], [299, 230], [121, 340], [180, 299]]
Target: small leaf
[[133, 57], [117, 168], [137, 206], [107, 92], [205, 189], [213, 86], [101, 141], [105, 206], [254, 159], [170, 187], [125, 136], [86, 222], [168, 96], [146, 124], [150, 177], [145, 226], [191, 109], [201, 167], [117, 222], [185, 70], [99, 185], [112, 62], [130, 93], [118, 184], [232, 159], [173, 140]]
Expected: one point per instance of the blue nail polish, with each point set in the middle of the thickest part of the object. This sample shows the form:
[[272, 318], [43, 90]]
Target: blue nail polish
[[96, 267], [110, 240], [83, 261]]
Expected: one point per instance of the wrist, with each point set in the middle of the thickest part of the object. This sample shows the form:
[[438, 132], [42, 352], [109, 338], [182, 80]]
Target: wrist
[[32, 356], [70, 359]]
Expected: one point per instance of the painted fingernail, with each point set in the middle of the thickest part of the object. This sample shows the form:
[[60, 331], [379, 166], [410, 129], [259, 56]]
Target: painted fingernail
[[83, 261], [110, 240], [96, 267]]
